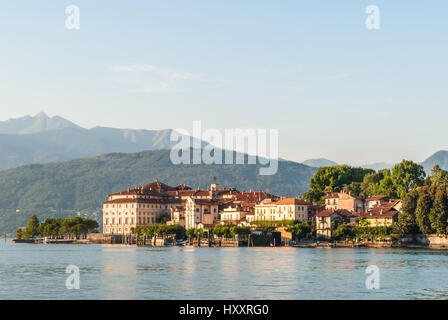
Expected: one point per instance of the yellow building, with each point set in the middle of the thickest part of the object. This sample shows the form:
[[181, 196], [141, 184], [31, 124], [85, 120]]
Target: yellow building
[[383, 215], [283, 209]]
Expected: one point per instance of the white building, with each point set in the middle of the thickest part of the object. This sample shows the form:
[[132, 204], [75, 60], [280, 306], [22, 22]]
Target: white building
[[201, 213]]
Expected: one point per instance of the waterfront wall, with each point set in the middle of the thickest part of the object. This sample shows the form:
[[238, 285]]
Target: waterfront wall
[[431, 240], [99, 238]]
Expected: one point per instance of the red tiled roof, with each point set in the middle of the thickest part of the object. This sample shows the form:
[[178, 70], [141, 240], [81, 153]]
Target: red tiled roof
[[374, 198], [149, 188], [383, 210], [254, 196], [206, 201], [336, 195], [379, 214], [140, 200], [327, 213], [332, 195], [295, 201]]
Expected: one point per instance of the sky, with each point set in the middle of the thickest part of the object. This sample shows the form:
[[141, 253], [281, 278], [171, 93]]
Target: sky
[[310, 69]]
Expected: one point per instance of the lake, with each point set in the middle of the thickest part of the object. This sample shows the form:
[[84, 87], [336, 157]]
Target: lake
[[38, 271]]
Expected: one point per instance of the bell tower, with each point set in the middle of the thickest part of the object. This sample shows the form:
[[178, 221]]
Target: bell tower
[[213, 191]]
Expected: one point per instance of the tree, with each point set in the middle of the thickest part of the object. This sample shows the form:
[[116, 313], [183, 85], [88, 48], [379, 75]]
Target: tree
[[353, 188], [406, 218], [333, 179], [19, 234], [177, 231], [164, 218], [343, 231], [370, 184], [32, 228], [439, 213], [363, 222], [438, 176], [300, 229], [424, 205], [407, 175]]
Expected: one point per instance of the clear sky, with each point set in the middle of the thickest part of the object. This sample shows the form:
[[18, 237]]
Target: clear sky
[[312, 69]]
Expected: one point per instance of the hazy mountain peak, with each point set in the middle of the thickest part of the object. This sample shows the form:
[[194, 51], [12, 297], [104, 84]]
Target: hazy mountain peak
[[41, 122], [378, 166], [41, 115], [440, 158], [321, 162]]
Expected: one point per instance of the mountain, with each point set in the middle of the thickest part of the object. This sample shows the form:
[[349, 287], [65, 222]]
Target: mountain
[[440, 158], [39, 123], [42, 139], [82, 184], [321, 162], [378, 166]]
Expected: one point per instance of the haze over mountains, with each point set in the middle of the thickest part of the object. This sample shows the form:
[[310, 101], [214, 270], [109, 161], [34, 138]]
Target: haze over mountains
[[322, 162], [39, 123], [43, 139], [110, 159]]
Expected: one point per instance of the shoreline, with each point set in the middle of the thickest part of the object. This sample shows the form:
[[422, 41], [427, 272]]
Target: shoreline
[[326, 245]]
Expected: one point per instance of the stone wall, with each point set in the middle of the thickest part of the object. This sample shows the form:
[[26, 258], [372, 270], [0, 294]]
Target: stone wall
[[99, 238], [431, 240]]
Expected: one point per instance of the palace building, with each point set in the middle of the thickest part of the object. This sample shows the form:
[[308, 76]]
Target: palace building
[[156, 202], [138, 206]]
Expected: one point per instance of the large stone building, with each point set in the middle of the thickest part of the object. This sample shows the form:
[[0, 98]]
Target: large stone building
[[137, 206], [344, 201], [191, 208]]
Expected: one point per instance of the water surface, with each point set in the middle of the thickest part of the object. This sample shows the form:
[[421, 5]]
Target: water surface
[[29, 271]]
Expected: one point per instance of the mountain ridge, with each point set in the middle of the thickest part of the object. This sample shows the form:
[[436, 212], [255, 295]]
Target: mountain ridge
[[41, 122], [81, 185]]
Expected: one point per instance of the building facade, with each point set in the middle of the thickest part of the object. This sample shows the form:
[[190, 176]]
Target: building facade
[[283, 209], [200, 213]]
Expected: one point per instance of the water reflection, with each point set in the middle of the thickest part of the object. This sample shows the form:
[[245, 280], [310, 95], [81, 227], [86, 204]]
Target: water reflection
[[125, 272]]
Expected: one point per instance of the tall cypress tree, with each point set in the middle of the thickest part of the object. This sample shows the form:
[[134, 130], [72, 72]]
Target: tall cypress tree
[[32, 228], [439, 211], [406, 218], [424, 205]]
